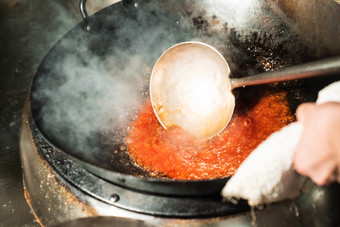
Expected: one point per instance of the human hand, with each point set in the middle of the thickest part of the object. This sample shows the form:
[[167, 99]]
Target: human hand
[[318, 151]]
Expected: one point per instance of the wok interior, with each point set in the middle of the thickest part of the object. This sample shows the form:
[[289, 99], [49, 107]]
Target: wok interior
[[123, 45]]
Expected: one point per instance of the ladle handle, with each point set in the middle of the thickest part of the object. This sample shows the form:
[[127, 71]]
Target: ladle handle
[[312, 69]]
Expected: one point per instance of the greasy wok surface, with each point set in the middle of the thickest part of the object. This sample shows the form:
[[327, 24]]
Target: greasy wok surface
[[90, 85]]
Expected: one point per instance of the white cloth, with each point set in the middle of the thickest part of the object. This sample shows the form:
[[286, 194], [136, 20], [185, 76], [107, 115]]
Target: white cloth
[[267, 175]]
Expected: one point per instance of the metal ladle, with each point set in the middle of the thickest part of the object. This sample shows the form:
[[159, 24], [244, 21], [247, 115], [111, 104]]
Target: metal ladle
[[190, 86]]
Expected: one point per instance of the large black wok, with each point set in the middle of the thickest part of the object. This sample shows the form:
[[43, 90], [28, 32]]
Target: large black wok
[[91, 84]]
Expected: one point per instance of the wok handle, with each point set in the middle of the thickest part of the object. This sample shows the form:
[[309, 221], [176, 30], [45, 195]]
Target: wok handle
[[84, 14], [312, 69], [82, 8]]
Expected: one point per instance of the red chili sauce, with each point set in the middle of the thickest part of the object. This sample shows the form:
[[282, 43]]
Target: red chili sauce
[[173, 154]]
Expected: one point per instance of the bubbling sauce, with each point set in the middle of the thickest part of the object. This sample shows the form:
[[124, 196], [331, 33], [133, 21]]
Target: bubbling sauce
[[174, 154]]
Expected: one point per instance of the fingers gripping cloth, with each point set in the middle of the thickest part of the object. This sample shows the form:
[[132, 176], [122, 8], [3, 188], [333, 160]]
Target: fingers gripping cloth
[[267, 175]]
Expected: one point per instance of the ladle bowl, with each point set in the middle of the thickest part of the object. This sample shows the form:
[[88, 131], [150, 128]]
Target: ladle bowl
[[190, 86]]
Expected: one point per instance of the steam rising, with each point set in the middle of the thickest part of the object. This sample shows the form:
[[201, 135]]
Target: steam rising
[[93, 82], [238, 13]]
